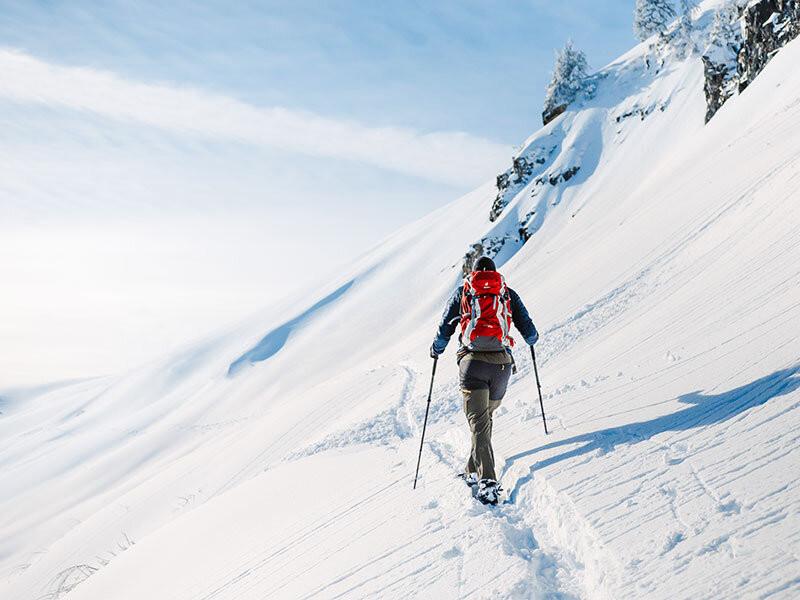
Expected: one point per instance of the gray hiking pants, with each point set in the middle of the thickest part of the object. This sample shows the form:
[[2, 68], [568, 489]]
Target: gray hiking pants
[[483, 386]]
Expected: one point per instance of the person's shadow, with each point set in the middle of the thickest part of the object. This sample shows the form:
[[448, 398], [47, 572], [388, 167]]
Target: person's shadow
[[703, 410]]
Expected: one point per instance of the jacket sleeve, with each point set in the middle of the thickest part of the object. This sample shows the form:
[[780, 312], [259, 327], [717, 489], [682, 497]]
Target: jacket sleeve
[[448, 322], [522, 320]]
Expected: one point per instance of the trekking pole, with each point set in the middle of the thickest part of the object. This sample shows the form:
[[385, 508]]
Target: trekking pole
[[425, 423], [539, 386]]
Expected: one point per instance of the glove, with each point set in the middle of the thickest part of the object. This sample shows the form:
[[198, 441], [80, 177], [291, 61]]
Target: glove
[[533, 339], [434, 352]]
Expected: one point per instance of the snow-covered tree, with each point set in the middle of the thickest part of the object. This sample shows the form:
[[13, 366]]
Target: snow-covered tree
[[720, 58], [725, 37], [682, 37], [651, 17], [569, 74]]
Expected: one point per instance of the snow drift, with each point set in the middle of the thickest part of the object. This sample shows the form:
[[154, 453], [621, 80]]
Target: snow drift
[[276, 460]]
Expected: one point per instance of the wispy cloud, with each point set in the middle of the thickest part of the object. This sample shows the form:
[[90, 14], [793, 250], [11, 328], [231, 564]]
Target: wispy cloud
[[450, 157]]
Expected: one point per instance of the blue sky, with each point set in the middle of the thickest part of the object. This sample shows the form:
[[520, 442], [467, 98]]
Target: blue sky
[[164, 162], [475, 66]]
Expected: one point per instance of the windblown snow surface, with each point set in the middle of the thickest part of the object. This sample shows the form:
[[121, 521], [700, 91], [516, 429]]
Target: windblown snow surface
[[277, 461]]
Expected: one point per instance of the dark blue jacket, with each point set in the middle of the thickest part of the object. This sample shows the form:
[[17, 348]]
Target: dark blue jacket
[[452, 316]]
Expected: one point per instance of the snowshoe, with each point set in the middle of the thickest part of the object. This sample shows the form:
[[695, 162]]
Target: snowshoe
[[489, 492]]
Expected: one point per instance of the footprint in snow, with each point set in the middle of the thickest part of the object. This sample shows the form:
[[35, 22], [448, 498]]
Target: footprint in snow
[[453, 552], [673, 540], [730, 508]]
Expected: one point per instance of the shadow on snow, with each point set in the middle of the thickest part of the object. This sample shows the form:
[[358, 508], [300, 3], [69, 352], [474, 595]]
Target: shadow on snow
[[276, 339], [704, 410]]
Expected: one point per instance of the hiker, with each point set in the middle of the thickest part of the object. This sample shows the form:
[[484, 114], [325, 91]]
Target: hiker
[[485, 307]]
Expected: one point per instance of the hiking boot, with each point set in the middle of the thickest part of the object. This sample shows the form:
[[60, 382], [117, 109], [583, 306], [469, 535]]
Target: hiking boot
[[489, 491]]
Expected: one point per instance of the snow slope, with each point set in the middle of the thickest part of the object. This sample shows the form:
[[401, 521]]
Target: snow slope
[[277, 460]]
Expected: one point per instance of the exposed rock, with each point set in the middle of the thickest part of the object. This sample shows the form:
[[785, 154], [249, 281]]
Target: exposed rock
[[507, 187], [518, 176], [736, 55], [720, 84], [474, 253], [502, 198], [523, 167], [549, 115], [768, 25], [720, 59], [558, 177], [502, 181], [568, 174], [488, 246], [524, 233], [639, 112]]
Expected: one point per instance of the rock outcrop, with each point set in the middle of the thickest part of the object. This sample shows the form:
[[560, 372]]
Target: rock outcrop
[[549, 115], [767, 26], [517, 177], [488, 246], [720, 84], [736, 55]]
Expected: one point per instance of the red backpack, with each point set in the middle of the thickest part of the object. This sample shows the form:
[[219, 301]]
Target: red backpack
[[485, 312]]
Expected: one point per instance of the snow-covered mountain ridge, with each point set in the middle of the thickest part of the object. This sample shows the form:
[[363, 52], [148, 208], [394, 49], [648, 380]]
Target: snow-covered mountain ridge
[[276, 460], [734, 40]]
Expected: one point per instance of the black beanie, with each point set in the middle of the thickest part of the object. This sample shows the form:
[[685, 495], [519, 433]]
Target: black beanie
[[484, 263]]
